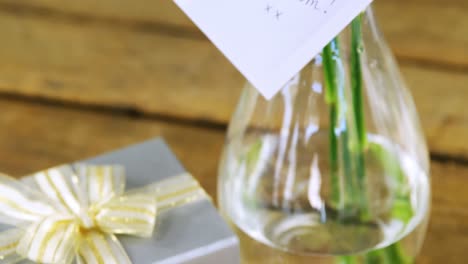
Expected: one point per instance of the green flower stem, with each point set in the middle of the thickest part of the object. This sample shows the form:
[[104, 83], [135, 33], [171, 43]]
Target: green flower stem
[[331, 98], [358, 109], [356, 81], [339, 140], [344, 198], [392, 254], [354, 195], [347, 260]]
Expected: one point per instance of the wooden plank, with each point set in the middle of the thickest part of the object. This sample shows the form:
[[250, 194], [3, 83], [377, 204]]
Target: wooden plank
[[114, 67], [180, 78], [441, 39], [164, 11], [426, 31], [36, 136], [441, 101]]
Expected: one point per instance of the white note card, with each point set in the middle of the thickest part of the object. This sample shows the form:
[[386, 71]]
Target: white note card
[[269, 41]]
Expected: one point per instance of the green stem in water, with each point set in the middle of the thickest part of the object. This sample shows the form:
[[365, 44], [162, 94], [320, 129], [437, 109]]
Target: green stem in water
[[334, 95], [331, 98], [356, 81], [339, 137], [358, 110], [392, 254]]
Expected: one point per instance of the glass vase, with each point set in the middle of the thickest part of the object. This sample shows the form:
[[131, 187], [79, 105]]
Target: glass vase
[[334, 168]]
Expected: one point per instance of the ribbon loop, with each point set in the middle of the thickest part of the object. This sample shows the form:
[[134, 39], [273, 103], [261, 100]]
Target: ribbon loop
[[133, 214], [57, 185], [75, 214], [19, 204], [51, 240], [9, 240], [100, 183]]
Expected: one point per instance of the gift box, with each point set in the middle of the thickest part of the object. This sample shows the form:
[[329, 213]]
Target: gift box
[[190, 233]]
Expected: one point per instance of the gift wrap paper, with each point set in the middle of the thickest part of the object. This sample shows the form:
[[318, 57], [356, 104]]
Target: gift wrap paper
[[194, 233]]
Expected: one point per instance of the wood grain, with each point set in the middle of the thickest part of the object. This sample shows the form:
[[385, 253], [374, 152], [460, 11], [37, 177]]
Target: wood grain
[[61, 59], [174, 77], [113, 67], [429, 31], [35, 137]]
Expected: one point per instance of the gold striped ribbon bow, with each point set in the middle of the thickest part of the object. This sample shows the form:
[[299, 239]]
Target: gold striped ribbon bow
[[70, 214]]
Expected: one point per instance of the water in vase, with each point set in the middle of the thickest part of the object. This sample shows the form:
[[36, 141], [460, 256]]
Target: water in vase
[[291, 213], [334, 168]]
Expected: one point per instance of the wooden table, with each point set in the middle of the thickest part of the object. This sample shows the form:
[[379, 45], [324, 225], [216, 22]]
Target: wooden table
[[79, 78]]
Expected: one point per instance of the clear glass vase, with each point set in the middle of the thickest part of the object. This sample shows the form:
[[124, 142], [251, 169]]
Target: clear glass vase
[[333, 169]]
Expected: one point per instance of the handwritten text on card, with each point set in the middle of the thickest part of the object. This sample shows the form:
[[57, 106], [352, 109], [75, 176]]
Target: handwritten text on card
[[269, 41]]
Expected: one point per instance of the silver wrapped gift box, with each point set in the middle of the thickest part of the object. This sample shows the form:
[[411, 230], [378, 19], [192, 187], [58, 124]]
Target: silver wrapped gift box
[[194, 233]]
